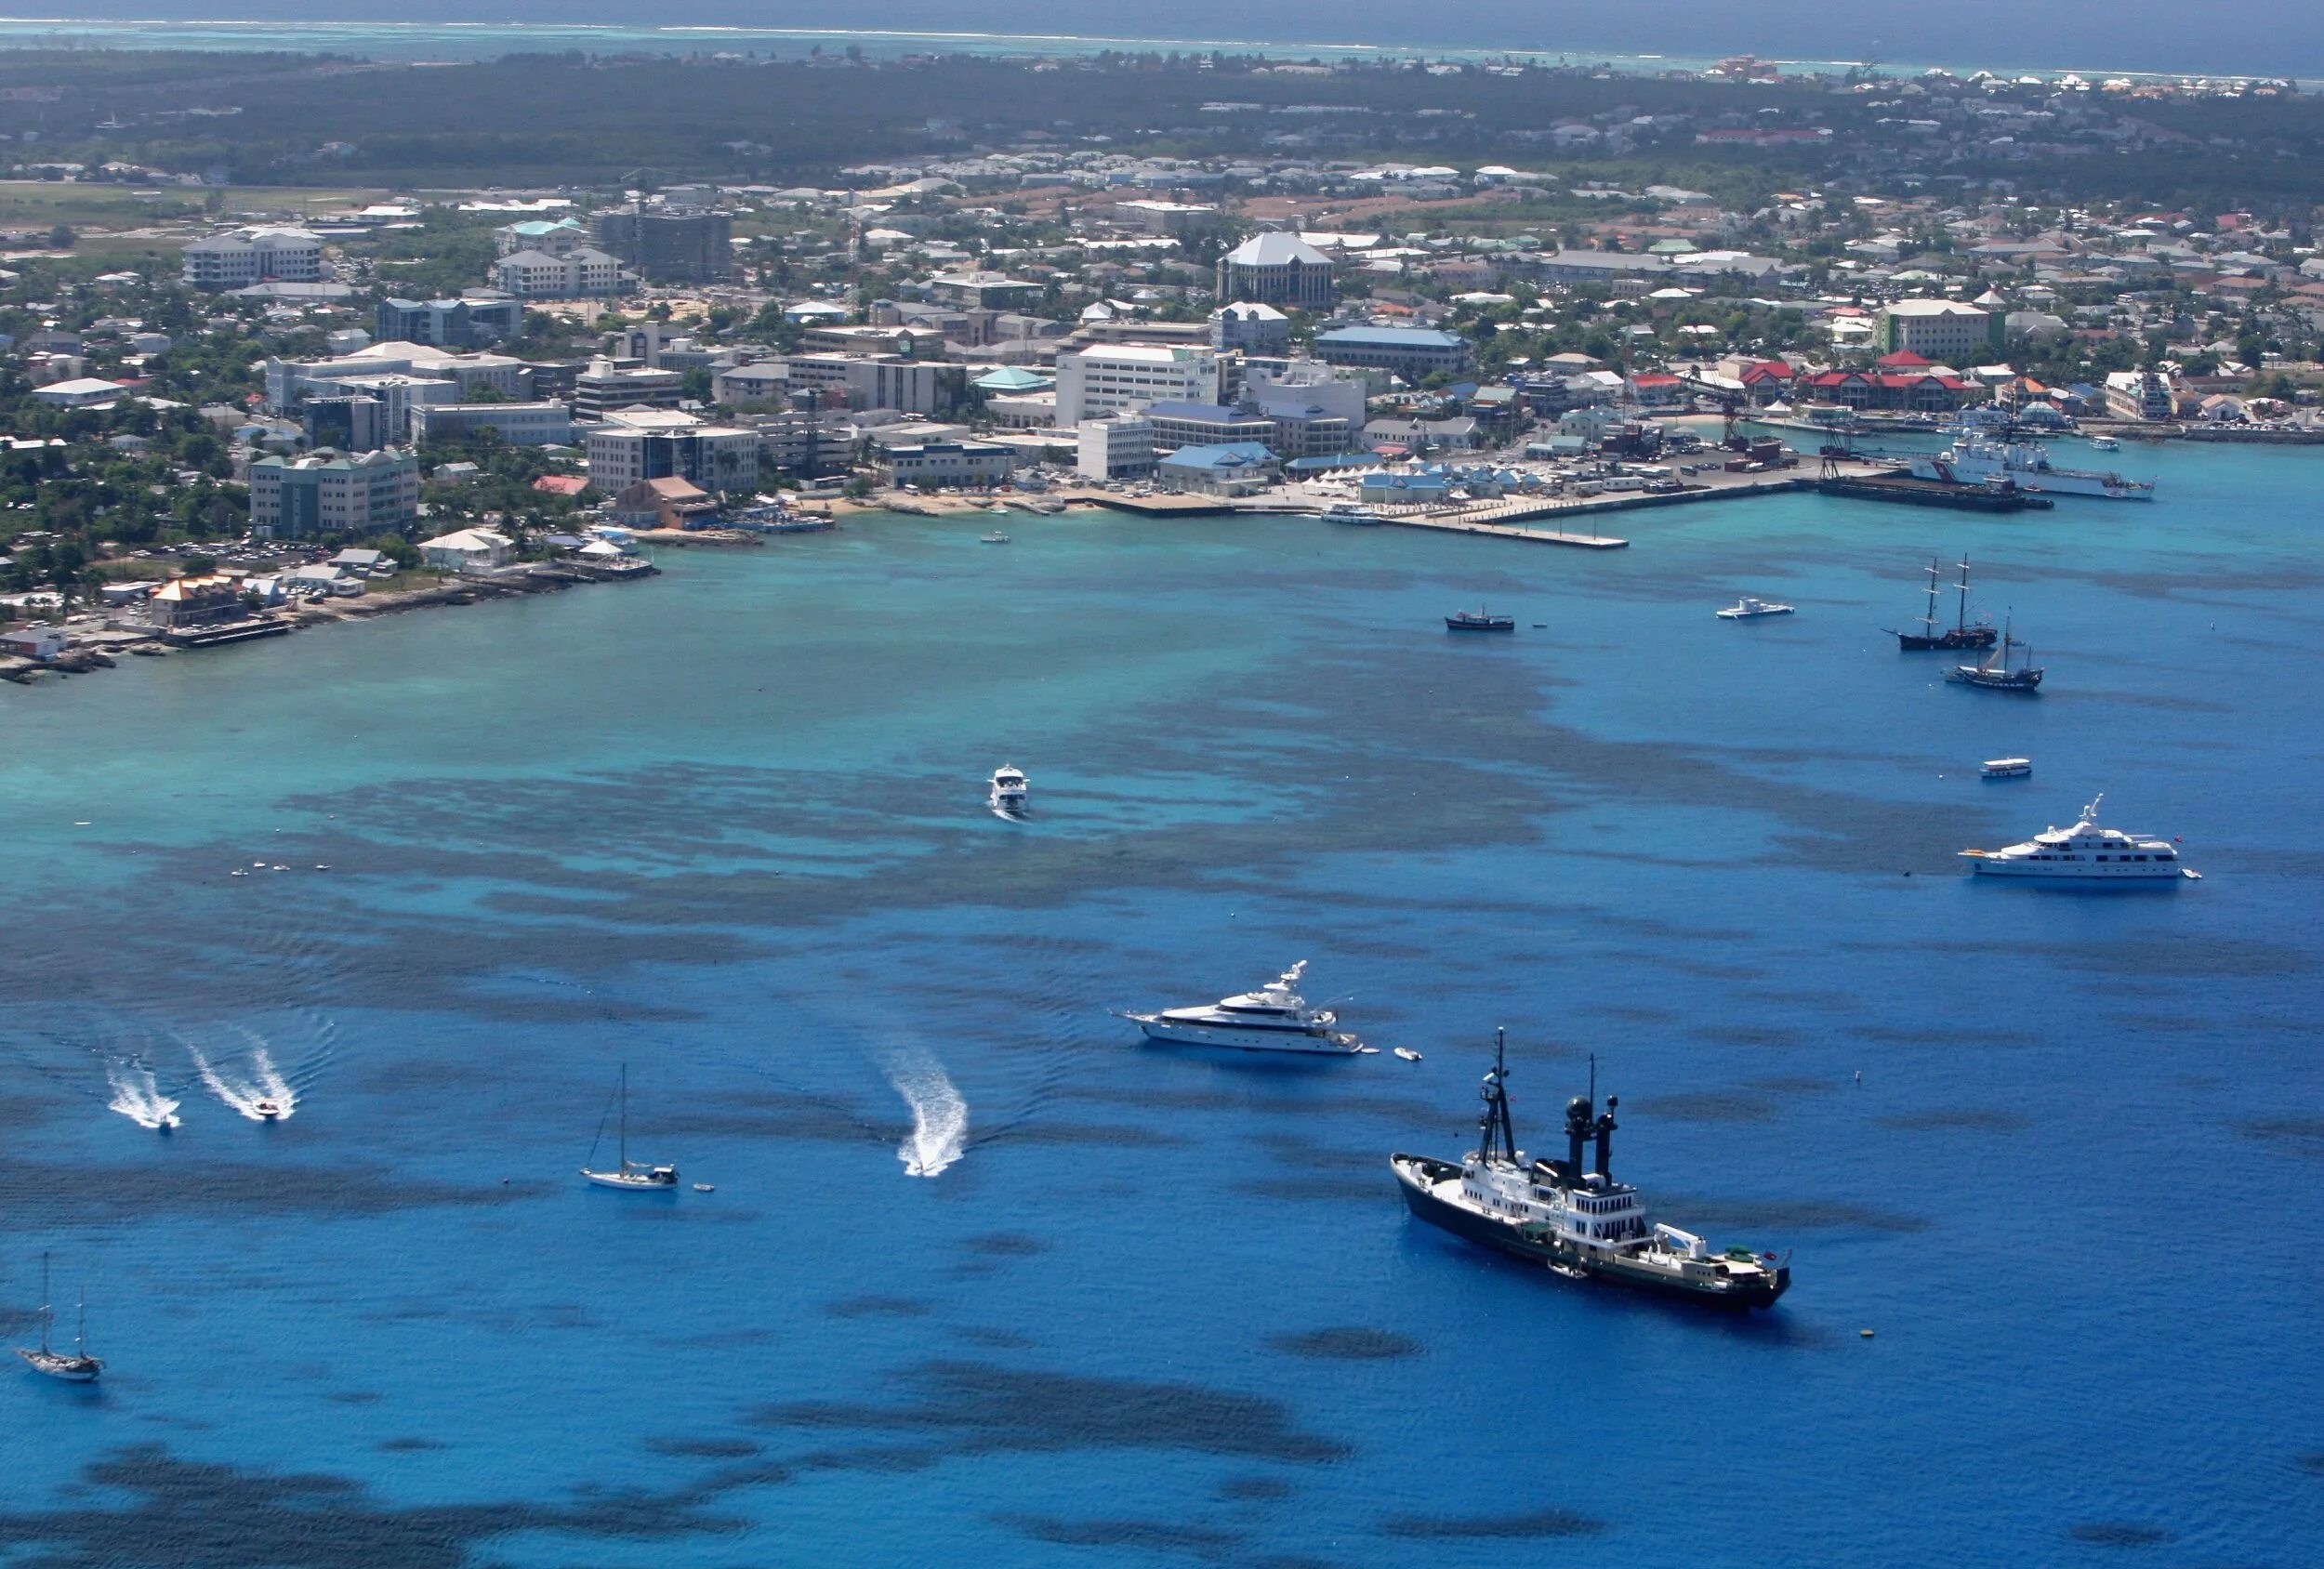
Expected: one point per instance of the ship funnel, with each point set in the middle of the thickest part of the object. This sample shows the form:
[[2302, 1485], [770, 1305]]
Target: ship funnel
[[1605, 1138], [1577, 1132]]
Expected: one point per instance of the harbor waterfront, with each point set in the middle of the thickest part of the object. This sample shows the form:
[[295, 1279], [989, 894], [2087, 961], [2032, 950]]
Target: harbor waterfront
[[984, 1277]]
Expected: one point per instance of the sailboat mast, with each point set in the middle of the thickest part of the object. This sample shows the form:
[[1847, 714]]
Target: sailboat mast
[[1928, 618], [80, 1328], [48, 1314], [623, 1145], [1961, 620]]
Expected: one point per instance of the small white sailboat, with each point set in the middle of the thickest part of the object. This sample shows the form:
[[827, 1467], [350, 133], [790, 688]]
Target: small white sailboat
[[74, 1367], [627, 1175]]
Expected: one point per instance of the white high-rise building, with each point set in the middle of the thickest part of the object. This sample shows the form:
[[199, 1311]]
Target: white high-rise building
[[1098, 381]]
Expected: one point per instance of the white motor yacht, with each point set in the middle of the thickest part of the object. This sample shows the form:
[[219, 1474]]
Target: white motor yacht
[[1274, 1017], [2085, 851], [1348, 512], [1009, 787], [1750, 609], [2007, 768]]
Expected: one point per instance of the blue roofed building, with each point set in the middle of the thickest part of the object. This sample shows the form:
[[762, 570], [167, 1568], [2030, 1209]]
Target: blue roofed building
[[1410, 353], [1229, 468]]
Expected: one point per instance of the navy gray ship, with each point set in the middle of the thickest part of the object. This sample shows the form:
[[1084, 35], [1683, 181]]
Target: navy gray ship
[[1578, 1222]]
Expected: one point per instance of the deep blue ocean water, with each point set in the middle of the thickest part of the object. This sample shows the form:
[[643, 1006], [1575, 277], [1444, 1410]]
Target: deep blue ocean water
[[1161, 1307]]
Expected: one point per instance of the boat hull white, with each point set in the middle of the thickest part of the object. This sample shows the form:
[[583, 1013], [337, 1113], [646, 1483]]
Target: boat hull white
[[64, 1369], [632, 1181], [2053, 871]]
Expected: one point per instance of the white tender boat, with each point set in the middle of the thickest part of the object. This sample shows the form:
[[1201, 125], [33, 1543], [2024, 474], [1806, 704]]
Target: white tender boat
[[1348, 512], [1008, 790], [2106, 443], [1274, 1017], [2007, 768], [2085, 852], [995, 537], [626, 1175], [76, 1366], [1750, 609]]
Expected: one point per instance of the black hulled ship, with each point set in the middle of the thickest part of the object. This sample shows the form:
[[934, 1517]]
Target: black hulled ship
[[1581, 1223], [1961, 634]]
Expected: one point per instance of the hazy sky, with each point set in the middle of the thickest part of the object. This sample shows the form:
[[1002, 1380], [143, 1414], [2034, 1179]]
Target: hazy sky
[[2284, 39]]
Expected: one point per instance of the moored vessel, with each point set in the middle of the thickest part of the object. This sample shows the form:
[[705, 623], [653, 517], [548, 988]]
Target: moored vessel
[[2000, 671], [1479, 620], [628, 1176], [1961, 634], [2006, 768], [1579, 1223], [2087, 852], [1750, 609], [1977, 458], [1274, 1017], [1348, 512], [76, 1366]]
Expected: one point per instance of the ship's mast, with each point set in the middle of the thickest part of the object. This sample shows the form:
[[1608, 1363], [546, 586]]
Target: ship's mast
[[1961, 620], [1500, 1140], [1928, 621]]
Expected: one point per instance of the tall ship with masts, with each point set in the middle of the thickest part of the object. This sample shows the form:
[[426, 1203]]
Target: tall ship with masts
[[2007, 669], [1961, 634], [76, 1366], [1578, 1222]]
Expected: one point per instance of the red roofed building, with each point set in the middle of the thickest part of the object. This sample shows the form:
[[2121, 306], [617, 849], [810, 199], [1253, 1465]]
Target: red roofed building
[[1886, 389], [561, 484], [1657, 389]]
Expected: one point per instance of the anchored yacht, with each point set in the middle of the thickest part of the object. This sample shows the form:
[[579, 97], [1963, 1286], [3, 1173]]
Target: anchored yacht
[[1274, 1017], [76, 1366], [1750, 609], [2085, 852], [1577, 1223]]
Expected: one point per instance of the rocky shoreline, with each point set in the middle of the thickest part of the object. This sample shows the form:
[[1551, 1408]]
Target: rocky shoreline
[[100, 650]]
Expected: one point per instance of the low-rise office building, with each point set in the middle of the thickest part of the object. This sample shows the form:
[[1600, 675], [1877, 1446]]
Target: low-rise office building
[[1099, 380], [655, 445], [605, 388], [1233, 469], [948, 463], [334, 493], [254, 256], [581, 273], [1119, 446], [519, 424], [1410, 353], [474, 321]]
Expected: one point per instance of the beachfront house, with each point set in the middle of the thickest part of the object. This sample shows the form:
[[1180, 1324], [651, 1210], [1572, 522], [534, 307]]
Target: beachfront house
[[468, 551]]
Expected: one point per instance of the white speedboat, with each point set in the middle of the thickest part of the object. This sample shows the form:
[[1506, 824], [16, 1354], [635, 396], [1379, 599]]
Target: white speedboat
[[626, 1175], [2106, 443], [1750, 609], [1008, 790], [2085, 852], [76, 1366], [2007, 768], [267, 1110], [1274, 1017]]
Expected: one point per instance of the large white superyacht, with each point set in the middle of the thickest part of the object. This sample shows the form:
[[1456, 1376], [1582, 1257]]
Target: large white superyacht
[[1274, 1017], [2086, 852]]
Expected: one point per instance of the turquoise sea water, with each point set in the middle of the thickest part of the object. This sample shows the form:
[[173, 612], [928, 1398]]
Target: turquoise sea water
[[2093, 39], [1159, 1307]]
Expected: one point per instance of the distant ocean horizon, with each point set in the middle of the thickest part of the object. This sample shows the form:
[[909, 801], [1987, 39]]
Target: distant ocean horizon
[[2135, 37]]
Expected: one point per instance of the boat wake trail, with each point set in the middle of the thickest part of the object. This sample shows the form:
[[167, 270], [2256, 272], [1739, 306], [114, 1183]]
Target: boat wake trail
[[139, 1098], [258, 1086], [939, 1117]]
